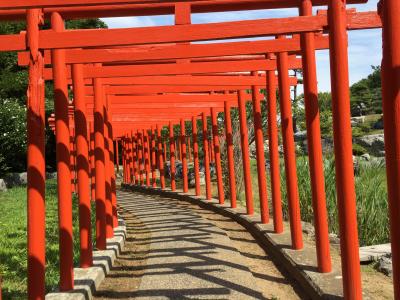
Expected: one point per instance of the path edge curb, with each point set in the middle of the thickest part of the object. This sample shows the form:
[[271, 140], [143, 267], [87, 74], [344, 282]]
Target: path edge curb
[[87, 281]]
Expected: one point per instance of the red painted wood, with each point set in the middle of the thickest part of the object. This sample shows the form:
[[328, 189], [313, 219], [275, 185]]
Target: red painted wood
[[171, 51], [197, 32]]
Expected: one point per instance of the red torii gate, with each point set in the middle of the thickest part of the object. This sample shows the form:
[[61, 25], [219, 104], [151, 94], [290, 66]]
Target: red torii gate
[[305, 25]]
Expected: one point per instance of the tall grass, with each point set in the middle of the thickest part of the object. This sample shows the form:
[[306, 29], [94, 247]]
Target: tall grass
[[13, 254], [371, 194]]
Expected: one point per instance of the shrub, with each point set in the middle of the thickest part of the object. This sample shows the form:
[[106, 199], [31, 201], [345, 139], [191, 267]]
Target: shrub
[[359, 150], [12, 136]]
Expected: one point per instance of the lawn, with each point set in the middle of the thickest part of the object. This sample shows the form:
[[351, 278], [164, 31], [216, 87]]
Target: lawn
[[13, 257]]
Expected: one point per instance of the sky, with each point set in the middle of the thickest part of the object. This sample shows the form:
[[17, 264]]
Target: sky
[[365, 46]]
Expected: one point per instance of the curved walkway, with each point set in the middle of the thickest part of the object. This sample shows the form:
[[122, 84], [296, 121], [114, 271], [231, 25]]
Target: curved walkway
[[176, 250]]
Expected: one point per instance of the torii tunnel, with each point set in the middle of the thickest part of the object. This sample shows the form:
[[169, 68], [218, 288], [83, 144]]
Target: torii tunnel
[[130, 84]]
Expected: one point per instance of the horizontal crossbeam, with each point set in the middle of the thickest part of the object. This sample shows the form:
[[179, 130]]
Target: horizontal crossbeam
[[50, 39]]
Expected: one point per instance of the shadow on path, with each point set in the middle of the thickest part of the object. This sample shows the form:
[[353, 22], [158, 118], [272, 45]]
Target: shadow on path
[[176, 250]]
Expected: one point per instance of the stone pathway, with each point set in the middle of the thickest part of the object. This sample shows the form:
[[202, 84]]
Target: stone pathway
[[177, 251]]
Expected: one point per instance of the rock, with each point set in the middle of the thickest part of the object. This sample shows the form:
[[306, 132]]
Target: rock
[[356, 165], [280, 149], [192, 181], [3, 186], [374, 252], [308, 229], [385, 265], [334, 239], [23, 178], [300, 136], [366, 157], [374, 143], [51, 175], [357, 120], [253, 150], [15, 179], [378, 124]]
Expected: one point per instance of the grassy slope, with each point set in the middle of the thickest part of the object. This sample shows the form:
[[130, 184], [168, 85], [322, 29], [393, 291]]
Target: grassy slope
[[13, 240], [371, 191]]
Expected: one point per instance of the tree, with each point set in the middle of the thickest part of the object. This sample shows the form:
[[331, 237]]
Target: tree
[[366, 95], [13, 85]]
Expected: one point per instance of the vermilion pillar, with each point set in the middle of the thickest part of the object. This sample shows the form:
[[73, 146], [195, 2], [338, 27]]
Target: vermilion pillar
[[107, 154], [217, 155], [111, 168], [390, 11], [314, 145], [92, 163], [289, 150], [196, 157], [206, 157], [126, 158], [63, 160], [72, 154], [160, 158], [153, 158], [123, 144], [230, 156], [117, 153], [135, 159], [273, 152], [140, 157], [82, 148], [212, 156], [131, 158], [189, 149], [184, 159], [35, 161], [165, 151], [179, 148], [342, 139], [259, 140], [146, 156], [172, 156], [244, 139], [113, 176], [100, 165]]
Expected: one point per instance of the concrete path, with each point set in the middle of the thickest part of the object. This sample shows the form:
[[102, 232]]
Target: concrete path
[[178, 254]]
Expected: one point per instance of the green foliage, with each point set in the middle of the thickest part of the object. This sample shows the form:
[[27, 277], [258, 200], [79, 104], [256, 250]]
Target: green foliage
[[12, 136], [359, 150], [371, 195], [365, 99], [366, 95], [13, 85], [325, 113]]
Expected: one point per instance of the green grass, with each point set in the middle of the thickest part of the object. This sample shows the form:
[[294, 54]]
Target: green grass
[[13, 253], [371, 194]]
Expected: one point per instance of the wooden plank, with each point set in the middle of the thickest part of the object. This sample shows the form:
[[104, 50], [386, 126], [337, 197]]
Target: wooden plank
[[50, 39], [203, 5], [13, 42], [169, 98], [132, 106], [181, 51], [154, 89], [186, 68]]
